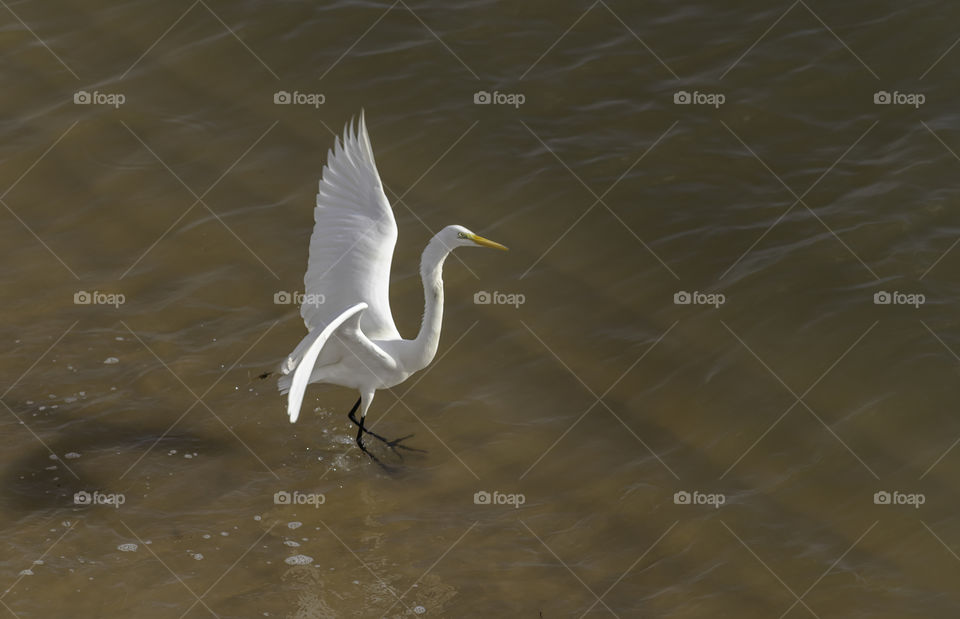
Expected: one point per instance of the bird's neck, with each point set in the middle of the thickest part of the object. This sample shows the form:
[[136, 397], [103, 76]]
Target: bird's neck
[[431, 272]]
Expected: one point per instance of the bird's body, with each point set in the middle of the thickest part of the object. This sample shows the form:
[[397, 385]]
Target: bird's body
[[352, 340]]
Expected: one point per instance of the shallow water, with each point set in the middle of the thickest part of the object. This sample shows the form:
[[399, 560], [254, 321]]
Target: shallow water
[[781, 404]]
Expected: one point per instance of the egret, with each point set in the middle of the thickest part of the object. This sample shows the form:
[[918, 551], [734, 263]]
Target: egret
[[352, 340]]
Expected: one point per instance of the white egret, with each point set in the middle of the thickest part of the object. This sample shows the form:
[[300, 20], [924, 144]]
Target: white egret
[[352, 339]]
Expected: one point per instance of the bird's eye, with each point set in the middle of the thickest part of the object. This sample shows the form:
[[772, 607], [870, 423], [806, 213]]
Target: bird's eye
[[461, 235]]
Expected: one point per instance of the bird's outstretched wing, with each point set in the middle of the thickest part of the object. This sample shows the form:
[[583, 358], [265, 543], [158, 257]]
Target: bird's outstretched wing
[[351, 248]]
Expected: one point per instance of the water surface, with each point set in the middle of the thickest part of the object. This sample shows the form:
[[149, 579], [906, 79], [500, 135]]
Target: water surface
[[781, 404]]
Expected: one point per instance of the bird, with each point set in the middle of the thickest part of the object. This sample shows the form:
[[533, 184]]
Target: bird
[[352, 340]]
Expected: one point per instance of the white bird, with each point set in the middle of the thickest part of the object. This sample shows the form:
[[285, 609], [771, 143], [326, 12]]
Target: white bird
[[352, 339]]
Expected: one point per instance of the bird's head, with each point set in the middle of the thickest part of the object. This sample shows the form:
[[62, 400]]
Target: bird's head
[[458, 236]]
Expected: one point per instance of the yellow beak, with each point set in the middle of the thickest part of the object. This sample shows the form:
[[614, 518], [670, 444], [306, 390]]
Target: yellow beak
[[479, 240]]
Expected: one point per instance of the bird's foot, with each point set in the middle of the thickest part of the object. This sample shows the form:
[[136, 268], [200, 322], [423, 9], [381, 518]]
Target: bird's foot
[[395, 444], [376, 460]]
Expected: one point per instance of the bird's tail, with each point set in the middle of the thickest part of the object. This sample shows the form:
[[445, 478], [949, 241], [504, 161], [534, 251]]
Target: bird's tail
[[284, 382]]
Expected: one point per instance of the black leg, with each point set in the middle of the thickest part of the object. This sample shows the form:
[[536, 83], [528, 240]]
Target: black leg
[[359, 424], [360, 431], [392, 444], [360, 437]]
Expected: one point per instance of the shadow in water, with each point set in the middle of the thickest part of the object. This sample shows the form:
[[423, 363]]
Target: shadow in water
[[36, 481]]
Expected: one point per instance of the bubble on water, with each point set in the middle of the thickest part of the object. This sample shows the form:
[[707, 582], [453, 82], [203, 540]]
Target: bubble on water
[[206, 536], [188, 456], [54, 457], [257, 518], [292, 543], [298, 560], [294, 524], [111, 360], [171, 452], [69, 399], [38, 561], [127, 547], [118, 338], [72, 455], [197, 556], [224, 534], [419, 610], [26, 572]]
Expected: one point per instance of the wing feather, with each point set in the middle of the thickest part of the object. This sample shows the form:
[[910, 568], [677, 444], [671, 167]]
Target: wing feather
[[354, 235], [301, 376]]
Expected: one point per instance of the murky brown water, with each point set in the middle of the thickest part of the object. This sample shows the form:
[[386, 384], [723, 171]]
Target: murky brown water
[[597, 402]]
